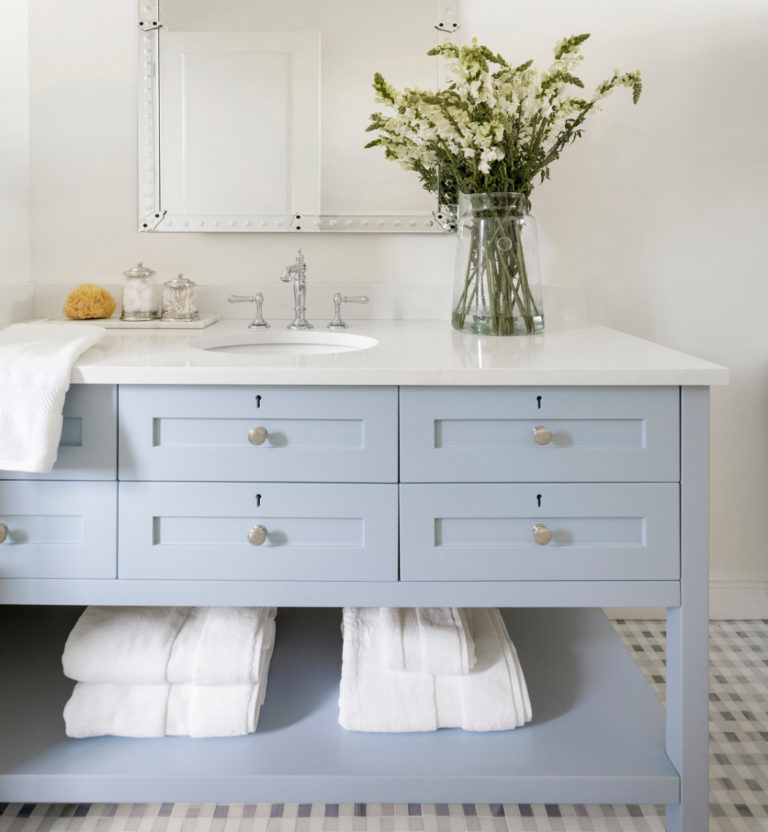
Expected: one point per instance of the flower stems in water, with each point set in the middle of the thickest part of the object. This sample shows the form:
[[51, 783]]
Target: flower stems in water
[[496, 296]]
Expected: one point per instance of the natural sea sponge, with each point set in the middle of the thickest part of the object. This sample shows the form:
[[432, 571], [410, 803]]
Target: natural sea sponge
[[89, 301]]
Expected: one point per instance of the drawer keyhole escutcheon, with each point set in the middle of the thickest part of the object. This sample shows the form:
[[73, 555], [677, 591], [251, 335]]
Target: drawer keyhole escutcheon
[[257, 535], [542, 435], [541, 534], [256, 436], [3, 532]]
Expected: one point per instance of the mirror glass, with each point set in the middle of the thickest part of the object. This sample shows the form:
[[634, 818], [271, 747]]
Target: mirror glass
[[253, 113]]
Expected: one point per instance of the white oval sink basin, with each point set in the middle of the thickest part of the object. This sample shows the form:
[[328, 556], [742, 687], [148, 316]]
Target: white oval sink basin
[[285, 342]]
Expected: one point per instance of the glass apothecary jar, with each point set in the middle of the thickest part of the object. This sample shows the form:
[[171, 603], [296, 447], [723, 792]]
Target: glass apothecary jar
[[141, 295], [180, 299]]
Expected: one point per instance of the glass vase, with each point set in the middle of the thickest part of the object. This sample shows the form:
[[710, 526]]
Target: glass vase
[[497, 290]]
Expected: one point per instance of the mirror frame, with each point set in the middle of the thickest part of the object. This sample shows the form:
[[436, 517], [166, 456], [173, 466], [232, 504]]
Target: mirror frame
[[153, 217]]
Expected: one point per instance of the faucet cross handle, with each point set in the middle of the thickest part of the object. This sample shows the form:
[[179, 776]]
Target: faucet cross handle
[[338, 299]]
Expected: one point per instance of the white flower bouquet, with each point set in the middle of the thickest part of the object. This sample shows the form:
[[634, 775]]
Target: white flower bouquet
[[495, 129]]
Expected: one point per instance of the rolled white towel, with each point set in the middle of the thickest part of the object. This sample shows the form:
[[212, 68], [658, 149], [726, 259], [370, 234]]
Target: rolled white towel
[[156, 710], [177, 645], [35, 366], [435, 640], [492, 697]]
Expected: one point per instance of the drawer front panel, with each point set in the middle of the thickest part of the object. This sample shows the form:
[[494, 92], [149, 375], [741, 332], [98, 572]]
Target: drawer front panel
[[88, 445], [312, 532], [487, 434], [58, 530], [485, 532], [331, 434]]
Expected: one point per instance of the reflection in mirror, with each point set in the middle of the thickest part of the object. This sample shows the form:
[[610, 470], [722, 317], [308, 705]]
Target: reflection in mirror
[[253, 113]]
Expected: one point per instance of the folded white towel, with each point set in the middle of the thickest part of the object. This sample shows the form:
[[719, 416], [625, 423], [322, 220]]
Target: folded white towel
[[35, 366], [179, 645], [157, 710], [427, 639], [493, 696], [124, 710]]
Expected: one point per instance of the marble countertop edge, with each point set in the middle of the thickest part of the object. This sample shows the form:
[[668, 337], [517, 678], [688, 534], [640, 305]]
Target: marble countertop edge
[[408, 353]]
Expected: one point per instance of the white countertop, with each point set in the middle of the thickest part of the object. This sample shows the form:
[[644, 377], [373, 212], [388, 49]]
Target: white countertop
[[408, 353]]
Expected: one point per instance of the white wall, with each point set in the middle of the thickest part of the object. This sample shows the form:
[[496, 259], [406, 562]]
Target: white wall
[[659, 209], [14, 149]]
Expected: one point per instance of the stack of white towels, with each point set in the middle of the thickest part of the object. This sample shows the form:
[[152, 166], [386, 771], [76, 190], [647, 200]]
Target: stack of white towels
[[168, 671], [427, 668]]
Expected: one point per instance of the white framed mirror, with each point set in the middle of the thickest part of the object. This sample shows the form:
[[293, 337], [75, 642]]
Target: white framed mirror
[[252, 113]]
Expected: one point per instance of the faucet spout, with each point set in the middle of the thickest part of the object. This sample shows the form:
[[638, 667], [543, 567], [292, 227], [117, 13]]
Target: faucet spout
[[297, 273]]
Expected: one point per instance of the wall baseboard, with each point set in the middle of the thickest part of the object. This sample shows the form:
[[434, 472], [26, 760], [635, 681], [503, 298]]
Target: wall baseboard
[[728, 600], [738, 599]]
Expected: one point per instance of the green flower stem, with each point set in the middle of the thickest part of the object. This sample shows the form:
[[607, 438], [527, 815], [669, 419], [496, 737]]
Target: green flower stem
[[496, 295]]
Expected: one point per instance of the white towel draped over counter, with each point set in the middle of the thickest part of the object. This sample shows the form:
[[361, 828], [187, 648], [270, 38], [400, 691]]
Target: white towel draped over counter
[[35, 367], [155, 645], [427, 639], [493, 696]]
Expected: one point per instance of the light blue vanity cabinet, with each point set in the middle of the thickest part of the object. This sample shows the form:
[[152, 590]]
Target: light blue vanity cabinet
[[549, 502], [265, 434], [63, 525]]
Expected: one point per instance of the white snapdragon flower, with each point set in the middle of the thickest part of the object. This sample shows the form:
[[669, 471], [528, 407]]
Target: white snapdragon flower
[[490, 113]]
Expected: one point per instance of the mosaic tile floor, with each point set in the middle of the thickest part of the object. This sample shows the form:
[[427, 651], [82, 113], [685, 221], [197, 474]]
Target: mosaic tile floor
[[738, 772]]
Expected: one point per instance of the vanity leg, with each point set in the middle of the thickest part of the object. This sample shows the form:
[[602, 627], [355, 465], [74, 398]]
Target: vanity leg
[[688, 624]]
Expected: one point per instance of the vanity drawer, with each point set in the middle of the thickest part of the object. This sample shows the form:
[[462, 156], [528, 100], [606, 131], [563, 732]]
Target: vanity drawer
[[88, 445], [608, 532], [58, 530], [302, 434], [487, 434], [312, 532]]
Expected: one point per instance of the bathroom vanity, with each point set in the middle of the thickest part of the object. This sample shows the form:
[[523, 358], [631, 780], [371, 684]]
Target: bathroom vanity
[[549, 476]]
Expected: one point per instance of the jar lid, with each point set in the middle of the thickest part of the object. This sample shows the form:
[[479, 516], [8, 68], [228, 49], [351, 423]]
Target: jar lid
[[139, 270], [179, 282]]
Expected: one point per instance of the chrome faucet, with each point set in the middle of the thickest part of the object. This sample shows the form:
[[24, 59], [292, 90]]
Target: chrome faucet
[[298, 274]]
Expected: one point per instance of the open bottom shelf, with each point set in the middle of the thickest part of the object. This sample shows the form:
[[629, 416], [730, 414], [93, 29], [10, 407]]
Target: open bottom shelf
[[597, 735]]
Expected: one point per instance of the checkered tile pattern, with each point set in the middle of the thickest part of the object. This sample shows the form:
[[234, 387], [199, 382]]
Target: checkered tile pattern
[[738, 772]]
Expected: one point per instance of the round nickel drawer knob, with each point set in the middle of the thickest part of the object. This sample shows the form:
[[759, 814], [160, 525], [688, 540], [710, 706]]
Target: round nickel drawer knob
[[542, 435], [257, 535], [541, 534], [256, 436], [3, 532]]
